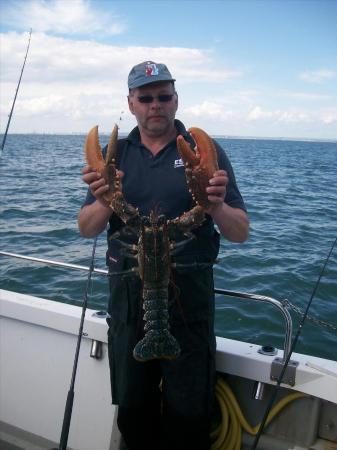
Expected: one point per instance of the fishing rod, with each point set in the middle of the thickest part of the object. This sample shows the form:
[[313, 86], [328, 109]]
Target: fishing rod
[[292, 348], [70, 397], [16, 93]]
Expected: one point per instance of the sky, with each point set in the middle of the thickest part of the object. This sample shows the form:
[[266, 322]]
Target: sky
[[249, 68]]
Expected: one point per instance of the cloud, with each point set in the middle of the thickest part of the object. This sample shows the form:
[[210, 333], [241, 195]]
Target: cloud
[[59, 59], [257, 113], [70, 85], [208, 109], [244, 120], [61, 17], [317, 76], [278, 115], [306, 96], [293, 116], [80, 79], [329, 117]]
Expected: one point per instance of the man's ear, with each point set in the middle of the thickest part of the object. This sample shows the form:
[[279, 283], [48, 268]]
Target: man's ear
[[177, 100], [130, 103]]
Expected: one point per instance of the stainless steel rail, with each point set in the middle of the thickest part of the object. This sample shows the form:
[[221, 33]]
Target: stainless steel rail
[[272, 301], [242, 295], [51, 262]]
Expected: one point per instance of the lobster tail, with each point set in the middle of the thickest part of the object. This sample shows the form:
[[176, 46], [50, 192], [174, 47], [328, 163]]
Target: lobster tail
[[157, 344]]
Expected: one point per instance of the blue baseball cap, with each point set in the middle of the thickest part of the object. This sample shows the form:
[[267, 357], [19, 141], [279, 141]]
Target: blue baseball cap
[[148, 72]]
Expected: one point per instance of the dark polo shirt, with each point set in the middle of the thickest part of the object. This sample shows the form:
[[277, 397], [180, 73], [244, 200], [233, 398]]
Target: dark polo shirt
[[157, 182]]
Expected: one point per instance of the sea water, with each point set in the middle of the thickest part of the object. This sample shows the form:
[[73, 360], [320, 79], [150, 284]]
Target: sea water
[[290, 190]]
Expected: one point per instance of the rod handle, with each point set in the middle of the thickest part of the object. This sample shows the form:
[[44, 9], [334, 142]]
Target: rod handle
[[66, 420]]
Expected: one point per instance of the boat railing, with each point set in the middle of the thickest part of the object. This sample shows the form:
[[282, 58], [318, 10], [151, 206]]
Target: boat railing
[[242, 295], [272, 301]]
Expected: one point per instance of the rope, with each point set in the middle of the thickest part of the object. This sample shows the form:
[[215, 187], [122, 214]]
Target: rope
[[228, 434], [319, 322]]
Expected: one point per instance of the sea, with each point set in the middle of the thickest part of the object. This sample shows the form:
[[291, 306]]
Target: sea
[[290, 190]]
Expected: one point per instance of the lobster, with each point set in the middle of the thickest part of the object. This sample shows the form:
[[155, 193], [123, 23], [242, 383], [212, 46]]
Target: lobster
[[155, 233]]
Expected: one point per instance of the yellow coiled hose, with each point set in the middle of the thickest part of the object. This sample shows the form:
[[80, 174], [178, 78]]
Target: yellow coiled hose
[[228, 434]]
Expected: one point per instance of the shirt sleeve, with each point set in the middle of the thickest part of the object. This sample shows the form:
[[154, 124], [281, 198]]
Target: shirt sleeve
[[233, 196]]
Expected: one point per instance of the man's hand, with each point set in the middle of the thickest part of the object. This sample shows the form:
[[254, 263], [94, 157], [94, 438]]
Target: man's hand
[[92, 218], [96, 183], [217, 190], [233, 223]]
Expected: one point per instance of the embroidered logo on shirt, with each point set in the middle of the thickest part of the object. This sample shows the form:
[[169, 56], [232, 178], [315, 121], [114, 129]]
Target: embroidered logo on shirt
[[178, 163]]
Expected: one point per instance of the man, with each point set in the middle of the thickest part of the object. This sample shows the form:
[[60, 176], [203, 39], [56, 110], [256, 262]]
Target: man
[[163, 404]]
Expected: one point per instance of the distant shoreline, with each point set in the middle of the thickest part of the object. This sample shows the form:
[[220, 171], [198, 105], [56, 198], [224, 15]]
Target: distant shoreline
[[215, 136]]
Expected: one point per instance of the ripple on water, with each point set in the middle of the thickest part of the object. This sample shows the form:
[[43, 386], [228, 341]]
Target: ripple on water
[[290, 192]]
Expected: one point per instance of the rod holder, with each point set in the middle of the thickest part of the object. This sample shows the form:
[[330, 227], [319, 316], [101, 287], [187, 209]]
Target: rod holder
[[258, 390], [96, 349]]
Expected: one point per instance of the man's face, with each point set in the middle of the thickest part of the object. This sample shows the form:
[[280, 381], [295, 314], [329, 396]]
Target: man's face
[[154, 107]]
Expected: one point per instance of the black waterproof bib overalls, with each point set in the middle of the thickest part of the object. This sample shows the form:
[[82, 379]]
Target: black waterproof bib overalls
[[175, 415]]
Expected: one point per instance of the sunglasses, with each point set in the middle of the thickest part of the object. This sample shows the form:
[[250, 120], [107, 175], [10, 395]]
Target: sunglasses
[[162, 98]]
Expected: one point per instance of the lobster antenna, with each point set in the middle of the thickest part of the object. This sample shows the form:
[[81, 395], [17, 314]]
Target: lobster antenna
[[16, 93]]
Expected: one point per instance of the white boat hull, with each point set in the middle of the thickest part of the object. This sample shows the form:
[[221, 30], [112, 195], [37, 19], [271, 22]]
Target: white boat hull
[[37, 346]]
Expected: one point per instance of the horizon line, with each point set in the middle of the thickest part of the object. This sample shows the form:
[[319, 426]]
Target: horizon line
[[215, 136]]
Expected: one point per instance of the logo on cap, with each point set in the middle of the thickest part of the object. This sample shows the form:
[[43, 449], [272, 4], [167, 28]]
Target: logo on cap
[[151, 69]]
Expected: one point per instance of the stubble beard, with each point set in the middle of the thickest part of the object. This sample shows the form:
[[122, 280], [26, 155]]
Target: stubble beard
[[160, 128]]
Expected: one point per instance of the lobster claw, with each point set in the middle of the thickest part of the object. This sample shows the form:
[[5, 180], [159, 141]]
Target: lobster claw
[[200, 164], [114, 196], [94, 158], [93, 150]]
